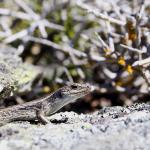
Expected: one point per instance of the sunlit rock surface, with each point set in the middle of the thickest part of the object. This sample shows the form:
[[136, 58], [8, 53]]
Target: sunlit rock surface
[[110, 128]]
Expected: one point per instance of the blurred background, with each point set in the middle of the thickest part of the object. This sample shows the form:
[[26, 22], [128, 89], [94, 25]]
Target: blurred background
[[47, 44]]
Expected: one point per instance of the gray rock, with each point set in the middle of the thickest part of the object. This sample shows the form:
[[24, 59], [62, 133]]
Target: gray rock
[[15, 76], [112, 128]]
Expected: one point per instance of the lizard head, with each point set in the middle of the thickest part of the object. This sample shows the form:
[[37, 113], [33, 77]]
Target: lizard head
[[68, 94], [75, 90]]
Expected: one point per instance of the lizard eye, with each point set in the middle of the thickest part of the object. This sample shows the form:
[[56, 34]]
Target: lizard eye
[[59, 94], [73, 86]]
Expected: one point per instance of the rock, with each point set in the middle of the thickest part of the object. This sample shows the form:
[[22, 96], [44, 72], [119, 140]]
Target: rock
[[15, 76], [109, 128]]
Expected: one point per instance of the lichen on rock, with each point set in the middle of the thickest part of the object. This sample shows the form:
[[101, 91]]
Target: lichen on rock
[[15, 75]]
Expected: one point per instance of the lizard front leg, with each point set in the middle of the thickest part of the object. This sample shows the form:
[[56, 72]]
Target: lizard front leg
[[41, 116]]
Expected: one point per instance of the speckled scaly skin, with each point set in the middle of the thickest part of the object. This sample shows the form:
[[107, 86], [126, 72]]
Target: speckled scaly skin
[[42, 107]]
